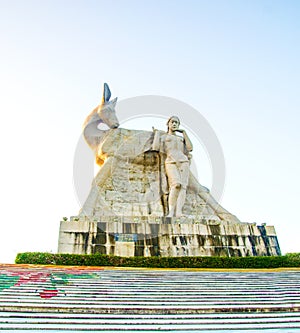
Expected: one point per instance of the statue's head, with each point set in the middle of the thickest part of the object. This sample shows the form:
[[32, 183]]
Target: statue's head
[[107, 110], [173, 123]]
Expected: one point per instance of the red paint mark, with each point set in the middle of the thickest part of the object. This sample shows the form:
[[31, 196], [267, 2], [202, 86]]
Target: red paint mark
[[27, 277], [48, 293]]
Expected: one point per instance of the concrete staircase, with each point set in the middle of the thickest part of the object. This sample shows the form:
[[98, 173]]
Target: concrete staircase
[[75, 299]]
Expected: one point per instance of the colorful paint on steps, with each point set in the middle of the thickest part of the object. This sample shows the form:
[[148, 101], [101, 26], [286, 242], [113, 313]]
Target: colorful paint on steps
[[55, 279]]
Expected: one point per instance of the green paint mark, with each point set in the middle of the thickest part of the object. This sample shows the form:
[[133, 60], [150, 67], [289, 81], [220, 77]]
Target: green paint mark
[[64, 278], [7, 281]]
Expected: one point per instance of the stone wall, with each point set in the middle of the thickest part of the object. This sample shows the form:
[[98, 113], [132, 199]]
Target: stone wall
[[158, 236]]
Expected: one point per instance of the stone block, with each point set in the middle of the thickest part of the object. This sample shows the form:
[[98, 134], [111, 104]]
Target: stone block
[[231, 229], [111, 227], [120, 207], [245, 230], [203, 230], [185, 229], [270, 230], [67, 237], [141, 228], [124, 249], [114, 196], [78, 226], [165, 241], [254, 230]]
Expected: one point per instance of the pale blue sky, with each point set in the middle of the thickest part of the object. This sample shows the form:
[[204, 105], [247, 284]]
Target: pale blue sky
[[237, 62]]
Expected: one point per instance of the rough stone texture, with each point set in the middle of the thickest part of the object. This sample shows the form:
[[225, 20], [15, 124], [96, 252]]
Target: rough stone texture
[[142, 236], [130, 183]]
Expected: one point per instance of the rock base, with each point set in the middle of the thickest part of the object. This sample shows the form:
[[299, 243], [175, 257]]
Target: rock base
[[166, 237]]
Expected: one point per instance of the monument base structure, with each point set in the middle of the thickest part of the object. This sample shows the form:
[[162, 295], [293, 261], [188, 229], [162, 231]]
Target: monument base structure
[[166, 237], [143, 185]]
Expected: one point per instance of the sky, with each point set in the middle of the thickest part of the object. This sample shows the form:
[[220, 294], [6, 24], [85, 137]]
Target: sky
[[236, 62]]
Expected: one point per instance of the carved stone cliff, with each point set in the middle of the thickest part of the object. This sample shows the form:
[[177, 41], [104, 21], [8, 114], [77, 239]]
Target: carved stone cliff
[[130, 182]]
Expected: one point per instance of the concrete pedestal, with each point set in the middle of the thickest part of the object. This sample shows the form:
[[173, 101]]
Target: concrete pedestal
[[166, 237]]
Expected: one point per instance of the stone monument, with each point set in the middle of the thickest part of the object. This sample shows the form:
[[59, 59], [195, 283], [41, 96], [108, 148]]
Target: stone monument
[[145, 201]]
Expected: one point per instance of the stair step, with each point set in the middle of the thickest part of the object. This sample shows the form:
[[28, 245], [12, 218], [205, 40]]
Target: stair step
[[74, 299]]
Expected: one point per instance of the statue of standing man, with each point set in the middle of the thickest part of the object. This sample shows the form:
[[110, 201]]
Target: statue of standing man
[[175, 150]]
